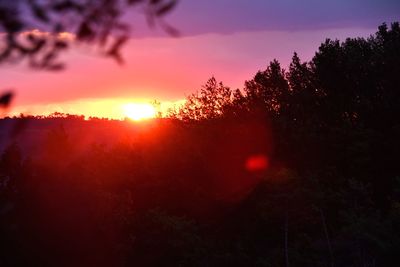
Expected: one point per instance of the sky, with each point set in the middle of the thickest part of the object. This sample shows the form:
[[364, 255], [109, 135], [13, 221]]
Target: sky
[[228, 39]]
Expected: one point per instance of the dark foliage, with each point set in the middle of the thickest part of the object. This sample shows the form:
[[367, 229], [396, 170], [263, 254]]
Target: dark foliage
[[97, 22]]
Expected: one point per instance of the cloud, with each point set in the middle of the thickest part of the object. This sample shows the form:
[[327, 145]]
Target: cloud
[[64, 36]]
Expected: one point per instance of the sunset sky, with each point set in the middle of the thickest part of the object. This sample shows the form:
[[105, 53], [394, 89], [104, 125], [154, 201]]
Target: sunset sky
[[228, 39]]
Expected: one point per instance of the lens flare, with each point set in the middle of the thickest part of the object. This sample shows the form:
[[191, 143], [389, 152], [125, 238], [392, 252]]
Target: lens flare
[[257, 163]]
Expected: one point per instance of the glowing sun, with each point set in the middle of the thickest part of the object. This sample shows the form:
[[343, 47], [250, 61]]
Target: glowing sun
[[139, 112]]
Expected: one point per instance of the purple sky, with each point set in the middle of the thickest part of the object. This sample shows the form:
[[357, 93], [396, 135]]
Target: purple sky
[[230, 16]]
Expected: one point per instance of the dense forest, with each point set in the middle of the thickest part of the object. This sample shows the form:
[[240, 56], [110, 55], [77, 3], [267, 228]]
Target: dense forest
[[298, 168]]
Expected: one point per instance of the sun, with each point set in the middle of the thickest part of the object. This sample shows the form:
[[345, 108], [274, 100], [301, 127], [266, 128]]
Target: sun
[[139, 112]]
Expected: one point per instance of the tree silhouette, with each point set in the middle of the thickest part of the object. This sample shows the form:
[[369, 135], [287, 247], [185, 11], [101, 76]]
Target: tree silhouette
[[211, 102], [268, 88]]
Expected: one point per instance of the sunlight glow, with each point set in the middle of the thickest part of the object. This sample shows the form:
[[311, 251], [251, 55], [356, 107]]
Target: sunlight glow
[[111, 108], [139, 112]]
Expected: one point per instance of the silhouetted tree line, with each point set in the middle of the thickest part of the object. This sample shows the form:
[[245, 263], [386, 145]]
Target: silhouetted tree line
[[297, 169]]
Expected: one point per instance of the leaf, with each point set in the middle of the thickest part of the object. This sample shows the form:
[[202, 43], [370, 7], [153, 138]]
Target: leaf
[[40, 13], [6, 98], [55, 67], [49, 58], [166, 8], [38, 46], [170, 30], [85, 32], [114, 51], [67, 5], [58, 27], [61, 45], [13, 26], [132, 2]]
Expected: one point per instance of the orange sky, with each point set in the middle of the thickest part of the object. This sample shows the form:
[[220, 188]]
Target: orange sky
[[231, 44], [161, 68]]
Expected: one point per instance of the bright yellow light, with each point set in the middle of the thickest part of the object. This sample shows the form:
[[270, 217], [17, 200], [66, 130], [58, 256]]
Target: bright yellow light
[[139, 112]]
